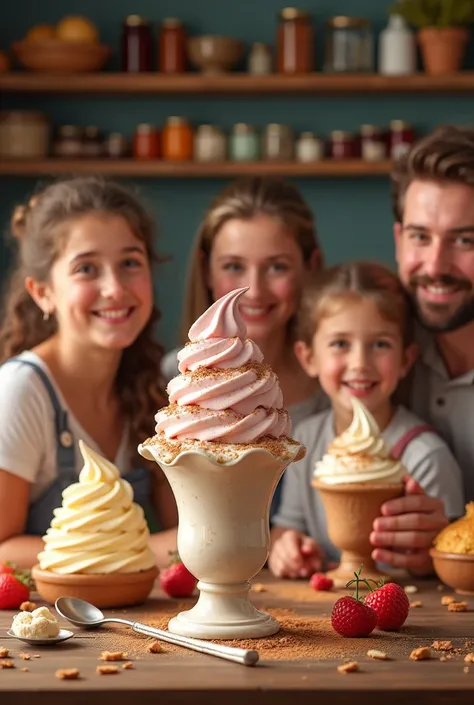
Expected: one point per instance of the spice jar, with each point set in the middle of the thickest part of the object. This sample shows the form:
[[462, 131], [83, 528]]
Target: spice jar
[[116, 145], [68, 142], [277, 142], [24, 134], [177, 140], [402, 136], [209, 144], [342, 145], [92, 142], [146, 142], [309, 148], [172, 46], [295, 42], [373, 147], [260, 62], [136, 45], [348, 45], [244, 143]]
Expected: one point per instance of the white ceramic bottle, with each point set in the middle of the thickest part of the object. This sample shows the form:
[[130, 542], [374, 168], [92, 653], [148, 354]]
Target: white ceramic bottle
[[397, 48]]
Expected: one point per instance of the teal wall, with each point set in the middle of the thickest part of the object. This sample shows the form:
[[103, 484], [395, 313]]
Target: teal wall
[[353, 215]]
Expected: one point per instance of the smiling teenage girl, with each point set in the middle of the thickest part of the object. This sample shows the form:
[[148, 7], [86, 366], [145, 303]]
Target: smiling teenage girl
[[79, 357]]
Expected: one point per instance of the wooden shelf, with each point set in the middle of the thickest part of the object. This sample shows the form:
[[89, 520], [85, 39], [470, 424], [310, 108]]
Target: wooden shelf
[[157, 169], [193, 83]]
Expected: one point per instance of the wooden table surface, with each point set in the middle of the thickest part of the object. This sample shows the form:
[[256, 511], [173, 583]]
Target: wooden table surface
[[300, 662]]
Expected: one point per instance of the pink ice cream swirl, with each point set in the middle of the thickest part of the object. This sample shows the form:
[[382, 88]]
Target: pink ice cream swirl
[[224, 392]]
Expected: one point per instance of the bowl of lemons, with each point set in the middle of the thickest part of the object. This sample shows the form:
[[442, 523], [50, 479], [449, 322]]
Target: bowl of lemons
[[71, 46]]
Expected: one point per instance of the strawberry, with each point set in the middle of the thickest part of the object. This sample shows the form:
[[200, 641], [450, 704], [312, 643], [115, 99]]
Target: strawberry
[[319, 581], [6, 568], [350, 616], [176, 580], [391, 604], [12, 592]]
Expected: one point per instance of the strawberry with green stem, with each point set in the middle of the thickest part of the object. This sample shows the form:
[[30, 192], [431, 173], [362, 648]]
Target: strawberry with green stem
[[350, 616]]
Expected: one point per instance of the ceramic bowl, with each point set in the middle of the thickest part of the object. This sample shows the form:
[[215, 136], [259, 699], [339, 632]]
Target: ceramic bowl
[[57, 56], [455, 570], [114, 590], [214, 54]]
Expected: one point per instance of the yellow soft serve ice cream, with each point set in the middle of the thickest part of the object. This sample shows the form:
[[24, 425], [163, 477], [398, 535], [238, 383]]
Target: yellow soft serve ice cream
[[359, 454], [98, 528]]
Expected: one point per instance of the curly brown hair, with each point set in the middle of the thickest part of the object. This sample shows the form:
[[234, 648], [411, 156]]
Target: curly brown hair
[[40, 229], [446, 154]]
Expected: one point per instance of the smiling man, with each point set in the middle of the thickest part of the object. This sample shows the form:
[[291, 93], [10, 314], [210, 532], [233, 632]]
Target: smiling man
[[433, 202]]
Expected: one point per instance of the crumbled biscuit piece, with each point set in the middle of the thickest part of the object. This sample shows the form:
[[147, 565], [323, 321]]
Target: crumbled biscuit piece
[[154, 647], [67, 674], [4, 652], [457, 607], [348, 667], [25, 669], [447, 599], [469, 658], [443, 658], [258, 587], [422, 653], [7, 664], [127, 665], [410, 589], [25, 657], [113, 655], [379, 655], [36, 656], [468, 644], [28, 606], [417, 603], [107, 670], [442, 645], [466, 669], [440, 588]]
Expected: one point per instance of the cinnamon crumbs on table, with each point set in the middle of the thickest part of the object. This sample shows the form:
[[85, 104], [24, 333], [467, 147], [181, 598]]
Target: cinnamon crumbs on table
[[469, 658], [154, 648], [4, 652], [442, 645], [25, 657], [422, 653], [107, 670], [28, 606], [67, 674], [457, 607], [7, 664], [350, 667], [447, 599], [417, 603], [127, 665], [113, 655]]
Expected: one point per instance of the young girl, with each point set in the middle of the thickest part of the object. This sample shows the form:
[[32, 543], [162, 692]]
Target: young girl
[[79, 358], [355, 334]]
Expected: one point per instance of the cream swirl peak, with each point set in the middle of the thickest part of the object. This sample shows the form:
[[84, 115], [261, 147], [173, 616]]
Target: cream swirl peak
[[224, 392], [359, 454], [98, 528]]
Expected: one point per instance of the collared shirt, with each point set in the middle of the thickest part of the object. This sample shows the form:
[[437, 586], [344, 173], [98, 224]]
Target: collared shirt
[[446, 403]]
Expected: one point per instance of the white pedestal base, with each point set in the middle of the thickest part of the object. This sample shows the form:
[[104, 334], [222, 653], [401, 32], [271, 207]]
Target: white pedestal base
[[223, 612]]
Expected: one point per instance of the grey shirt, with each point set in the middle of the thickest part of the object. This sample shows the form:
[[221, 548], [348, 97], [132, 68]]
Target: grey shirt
[[427, 458], [447, 404]]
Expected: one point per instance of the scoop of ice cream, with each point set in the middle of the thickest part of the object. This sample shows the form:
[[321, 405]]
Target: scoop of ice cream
[[458, 537], [98, 528], [224, 391], [359, 454], [39, 624]]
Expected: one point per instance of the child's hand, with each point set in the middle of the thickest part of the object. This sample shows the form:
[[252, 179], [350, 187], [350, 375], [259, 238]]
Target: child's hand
[[295, 555], [404, 533]]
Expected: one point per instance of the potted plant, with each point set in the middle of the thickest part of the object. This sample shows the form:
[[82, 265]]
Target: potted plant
[[442, 34]]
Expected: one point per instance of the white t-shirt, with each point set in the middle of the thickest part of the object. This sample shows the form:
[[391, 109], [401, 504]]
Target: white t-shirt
[[28, 444]]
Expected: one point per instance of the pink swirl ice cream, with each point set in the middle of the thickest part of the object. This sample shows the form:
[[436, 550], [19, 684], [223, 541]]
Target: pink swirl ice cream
[[224, 393]]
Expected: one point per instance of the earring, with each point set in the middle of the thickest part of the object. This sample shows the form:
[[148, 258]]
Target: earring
[[45, 315]]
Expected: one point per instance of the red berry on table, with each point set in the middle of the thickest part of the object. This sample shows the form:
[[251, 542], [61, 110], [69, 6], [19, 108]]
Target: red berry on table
[[391, 604], [351, 617], [319, 581], [12, 592], [176, 580]]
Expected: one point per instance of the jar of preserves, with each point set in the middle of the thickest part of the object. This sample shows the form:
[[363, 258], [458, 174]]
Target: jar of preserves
[[117, 145], [146, 142], [177, 142], [348, 45], [373, 146], [136, 45], [401, 138], [260, 61], [209, 144], [68, 142], [24, 134], [92, 142], [309, 148], [277, 142], [244, 143], [342, 145], [172, 46], [295, 42]]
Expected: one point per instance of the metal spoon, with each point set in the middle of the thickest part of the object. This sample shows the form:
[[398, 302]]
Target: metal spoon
[[83, 614], [63, 635]]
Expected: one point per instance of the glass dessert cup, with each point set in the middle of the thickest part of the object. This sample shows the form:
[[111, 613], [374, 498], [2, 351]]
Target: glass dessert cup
[[223, 536], [351, 509]]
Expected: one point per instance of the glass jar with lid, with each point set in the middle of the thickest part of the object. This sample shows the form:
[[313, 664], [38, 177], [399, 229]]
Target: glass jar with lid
[[260, 60], [244, 143], [309, 148], [136, 45], [68, 142], [295, 42], [373, 146], [92, 142], [277, 142], [172, 46], [401, 138], [178, 137], [146, 142], [348, 45], [342, 145], [209, 144], [24, 134]]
